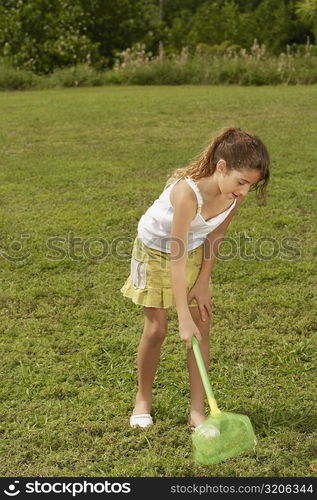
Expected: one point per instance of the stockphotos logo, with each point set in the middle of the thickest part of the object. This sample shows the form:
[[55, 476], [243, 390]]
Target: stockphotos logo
[[70, 488], [12, 490]]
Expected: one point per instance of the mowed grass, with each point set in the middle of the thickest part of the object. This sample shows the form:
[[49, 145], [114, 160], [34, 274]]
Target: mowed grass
[[78, 169]]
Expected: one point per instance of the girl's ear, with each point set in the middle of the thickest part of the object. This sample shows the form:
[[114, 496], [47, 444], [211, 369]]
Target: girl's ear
[[221, 167]]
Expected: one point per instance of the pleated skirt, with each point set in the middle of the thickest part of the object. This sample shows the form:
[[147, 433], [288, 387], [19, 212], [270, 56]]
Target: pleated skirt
[[149, 282]]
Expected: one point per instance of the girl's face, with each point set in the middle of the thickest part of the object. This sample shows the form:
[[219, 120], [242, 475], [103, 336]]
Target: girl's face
[[237, 183]]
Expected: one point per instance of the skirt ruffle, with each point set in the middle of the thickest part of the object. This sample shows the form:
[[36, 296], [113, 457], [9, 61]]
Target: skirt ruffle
[[149, 297]]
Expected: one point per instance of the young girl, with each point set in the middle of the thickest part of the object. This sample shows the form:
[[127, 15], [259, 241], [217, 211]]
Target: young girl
[[175, 250]]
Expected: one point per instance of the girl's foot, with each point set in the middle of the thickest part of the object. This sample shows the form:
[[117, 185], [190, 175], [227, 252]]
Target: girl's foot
[[142, 405], [141, 415]]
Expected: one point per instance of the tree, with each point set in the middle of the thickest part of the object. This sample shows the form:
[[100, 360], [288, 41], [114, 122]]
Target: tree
[[222, 21], [208, 25], [274, 26], [307, 12], [45, 34], [117, 24], [41, 35]]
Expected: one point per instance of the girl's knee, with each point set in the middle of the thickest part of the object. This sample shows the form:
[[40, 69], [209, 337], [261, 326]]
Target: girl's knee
[[204, 329], [155, 325], [158, 331], [155, 332], [203, 326]]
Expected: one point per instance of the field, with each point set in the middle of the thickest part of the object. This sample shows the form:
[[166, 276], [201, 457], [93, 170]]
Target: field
[[78, 168]]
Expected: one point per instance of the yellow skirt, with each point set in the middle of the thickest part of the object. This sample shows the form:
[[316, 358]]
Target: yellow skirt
[[149, 282]]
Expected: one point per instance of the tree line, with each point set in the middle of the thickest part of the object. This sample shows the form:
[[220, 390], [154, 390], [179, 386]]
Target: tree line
[[42, 35]]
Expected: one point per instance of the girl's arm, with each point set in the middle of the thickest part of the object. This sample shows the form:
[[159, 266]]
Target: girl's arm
[[201, 290], [212, 245], [185, 207]]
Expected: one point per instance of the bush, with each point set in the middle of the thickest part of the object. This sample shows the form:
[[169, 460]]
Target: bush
[[14, 79], [81, 75], [223, 64]]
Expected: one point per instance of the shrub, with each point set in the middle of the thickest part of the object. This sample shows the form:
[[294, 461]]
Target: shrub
[[221, 64], [225, 64], [81, 75], [14, 79]]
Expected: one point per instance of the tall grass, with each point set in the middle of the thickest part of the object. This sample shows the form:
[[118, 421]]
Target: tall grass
[[13, 79], [215, 65], [222, 64]]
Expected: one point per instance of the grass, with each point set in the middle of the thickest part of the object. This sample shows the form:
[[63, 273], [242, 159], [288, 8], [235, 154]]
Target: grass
[[86, 164]]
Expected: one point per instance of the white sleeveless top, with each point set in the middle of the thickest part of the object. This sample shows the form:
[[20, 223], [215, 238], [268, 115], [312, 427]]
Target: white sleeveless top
[[154, 228]]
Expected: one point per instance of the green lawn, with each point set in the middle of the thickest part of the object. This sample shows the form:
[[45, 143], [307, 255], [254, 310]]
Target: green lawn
[[78, 169]]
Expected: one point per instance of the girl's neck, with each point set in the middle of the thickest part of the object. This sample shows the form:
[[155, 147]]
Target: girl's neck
[[210, 186]]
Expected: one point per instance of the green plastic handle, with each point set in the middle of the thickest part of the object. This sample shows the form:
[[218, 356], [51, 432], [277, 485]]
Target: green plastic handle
[[202, 369], [214, 410]]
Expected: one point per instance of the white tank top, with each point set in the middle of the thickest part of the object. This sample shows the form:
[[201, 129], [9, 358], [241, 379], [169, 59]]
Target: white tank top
[[154, 228]]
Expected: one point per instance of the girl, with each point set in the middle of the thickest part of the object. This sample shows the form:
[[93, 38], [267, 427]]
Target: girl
[[175, 250]]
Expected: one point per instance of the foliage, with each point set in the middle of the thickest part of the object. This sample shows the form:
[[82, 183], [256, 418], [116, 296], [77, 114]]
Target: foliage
[[217, 64], [271, 23], [41, 35], [214, 22], [81, 75], [116, 24], [13, 79], [307, 11]]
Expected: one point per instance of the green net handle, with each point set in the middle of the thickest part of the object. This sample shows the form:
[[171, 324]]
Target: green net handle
[[204, 377]]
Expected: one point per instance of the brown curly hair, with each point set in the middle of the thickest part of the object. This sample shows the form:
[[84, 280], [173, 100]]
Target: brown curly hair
[[240, 150]]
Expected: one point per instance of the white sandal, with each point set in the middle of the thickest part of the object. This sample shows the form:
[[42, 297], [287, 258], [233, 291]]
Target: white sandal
[[142, 420]]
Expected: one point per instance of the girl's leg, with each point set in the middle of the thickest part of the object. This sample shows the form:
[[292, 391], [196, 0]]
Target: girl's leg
[[154, 333], [197, 393]]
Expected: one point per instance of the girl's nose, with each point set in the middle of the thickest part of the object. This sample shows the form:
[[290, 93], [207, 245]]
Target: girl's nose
[[245, 190]]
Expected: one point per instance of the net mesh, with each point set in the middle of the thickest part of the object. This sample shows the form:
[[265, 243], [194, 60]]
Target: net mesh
[[235, 436]]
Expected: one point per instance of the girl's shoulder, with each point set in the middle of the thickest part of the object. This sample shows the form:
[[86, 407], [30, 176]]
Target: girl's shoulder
[[182, 193]]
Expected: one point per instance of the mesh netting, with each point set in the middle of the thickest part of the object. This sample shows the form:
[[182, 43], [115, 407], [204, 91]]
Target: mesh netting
[[235, 436]]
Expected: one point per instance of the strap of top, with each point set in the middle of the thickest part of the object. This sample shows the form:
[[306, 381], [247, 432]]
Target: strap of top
[[194, 186]]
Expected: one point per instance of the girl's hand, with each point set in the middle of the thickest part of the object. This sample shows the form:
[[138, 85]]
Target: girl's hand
[[187, 329], [203, 295]]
